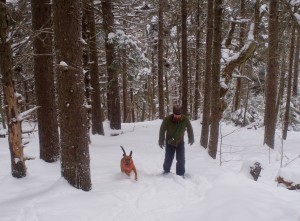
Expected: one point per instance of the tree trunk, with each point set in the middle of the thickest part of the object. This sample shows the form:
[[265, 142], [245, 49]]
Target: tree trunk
[[184, 69], [271, 78], [97, 118], [197, 74], [289, 86], [215, 85], [132, 105], [18, 167], [43, 73], [296, 64], [246, 105], [208, 73], [125, 87], [2, 114], [87, 77], [112, 67], [238, 89], [75, 159], [160, 53], [281, 83], [190, 84], [153, 108]]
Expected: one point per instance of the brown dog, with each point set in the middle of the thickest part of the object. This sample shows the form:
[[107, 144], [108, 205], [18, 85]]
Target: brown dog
[[127, 164]]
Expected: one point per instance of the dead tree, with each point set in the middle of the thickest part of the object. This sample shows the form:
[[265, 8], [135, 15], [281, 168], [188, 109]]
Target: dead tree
[[12, 114]]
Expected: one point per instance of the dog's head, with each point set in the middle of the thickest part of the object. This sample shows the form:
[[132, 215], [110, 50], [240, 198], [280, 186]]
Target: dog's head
[[127, 158]]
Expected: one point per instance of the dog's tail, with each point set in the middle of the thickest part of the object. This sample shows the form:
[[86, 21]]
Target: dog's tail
[[124, 153]]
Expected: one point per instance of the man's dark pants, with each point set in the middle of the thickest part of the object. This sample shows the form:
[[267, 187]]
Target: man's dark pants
[[180, 158]]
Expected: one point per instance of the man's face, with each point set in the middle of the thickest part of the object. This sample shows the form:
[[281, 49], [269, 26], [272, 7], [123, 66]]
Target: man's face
[[177, 116]]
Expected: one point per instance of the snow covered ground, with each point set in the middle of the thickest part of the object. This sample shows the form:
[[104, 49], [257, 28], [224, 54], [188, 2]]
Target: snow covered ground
[[209, 192]]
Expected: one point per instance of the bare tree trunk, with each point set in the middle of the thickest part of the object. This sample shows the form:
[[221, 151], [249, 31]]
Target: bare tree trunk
[[271, 78], [281, 83], [87, 77], [132, 105], [296, 64], [149, 97], [75, 158], [160, 53], [2, 114], [197, 57], [43, 73], [246, 105], [215, 84], [237, 96], [289, 86], [190, 84], [97, 118], [167, 96], [153, 87], [184, 69], [208, 73], [112, 67], [18, 167], [125, 87]]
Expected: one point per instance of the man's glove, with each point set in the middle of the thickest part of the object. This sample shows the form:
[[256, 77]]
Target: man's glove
[[191, 142]]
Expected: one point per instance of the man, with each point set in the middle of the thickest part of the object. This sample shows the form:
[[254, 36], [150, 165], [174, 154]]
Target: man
[[172, 131]]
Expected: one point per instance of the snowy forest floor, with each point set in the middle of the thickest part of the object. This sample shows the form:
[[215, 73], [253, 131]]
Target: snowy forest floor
[[208, 192]]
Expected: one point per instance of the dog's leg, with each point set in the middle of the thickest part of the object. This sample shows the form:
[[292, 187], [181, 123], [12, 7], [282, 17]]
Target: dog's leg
[[135, 174]]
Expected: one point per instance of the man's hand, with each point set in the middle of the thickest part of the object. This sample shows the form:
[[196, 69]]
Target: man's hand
[[161, 144], [191, 142]]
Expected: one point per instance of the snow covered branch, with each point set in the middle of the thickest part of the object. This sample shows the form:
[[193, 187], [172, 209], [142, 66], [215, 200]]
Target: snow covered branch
[[25, 114], [238, 58], [292, 4]]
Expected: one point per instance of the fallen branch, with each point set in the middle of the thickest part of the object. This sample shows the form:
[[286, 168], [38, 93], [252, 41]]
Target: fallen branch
[[288, 184]]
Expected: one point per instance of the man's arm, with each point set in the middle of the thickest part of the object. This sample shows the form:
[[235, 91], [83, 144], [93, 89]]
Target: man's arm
[[162, 132]]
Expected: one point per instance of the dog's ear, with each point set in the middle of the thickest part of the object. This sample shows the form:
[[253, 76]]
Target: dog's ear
[[124, 153], [130, 153]]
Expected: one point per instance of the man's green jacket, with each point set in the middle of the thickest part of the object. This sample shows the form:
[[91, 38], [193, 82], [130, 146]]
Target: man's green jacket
[[168, 130]]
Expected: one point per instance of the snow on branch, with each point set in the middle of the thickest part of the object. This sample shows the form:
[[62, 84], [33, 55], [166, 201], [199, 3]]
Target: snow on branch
[[241, 76], [230, 63], [25, 114], [129, 42], [292, 4], [297, 17]]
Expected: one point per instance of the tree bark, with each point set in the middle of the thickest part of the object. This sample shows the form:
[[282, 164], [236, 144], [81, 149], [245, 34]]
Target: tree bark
[[208, 73], [112, 67], [197, 57], [296, 65], [97, 118], [18, 168], [75, 159], [87, 77], [215, 83], [44, 78], [281, 82], [238, 89], [160, 53], [2, 114], [289, 86], [271, 78], [184, 69], [125, 87]]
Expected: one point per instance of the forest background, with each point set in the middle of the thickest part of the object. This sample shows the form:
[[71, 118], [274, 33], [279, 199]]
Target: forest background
[[70, 65]]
